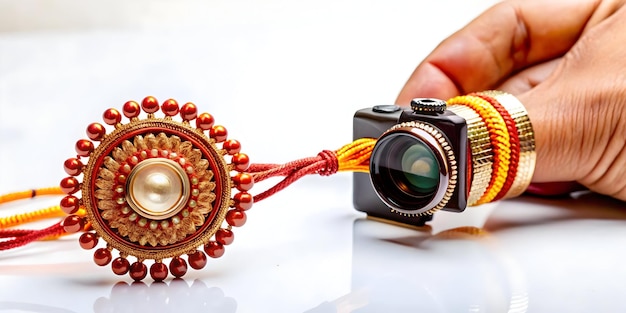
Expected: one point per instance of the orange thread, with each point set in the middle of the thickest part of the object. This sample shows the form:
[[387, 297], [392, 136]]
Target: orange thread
[[18, 237], [515, 144], [355, 156], [351, 157], [30, 194], [28, 217], [500, 142]]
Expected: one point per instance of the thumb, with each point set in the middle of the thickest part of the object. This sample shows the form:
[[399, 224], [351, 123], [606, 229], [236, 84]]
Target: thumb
[[509, 37]]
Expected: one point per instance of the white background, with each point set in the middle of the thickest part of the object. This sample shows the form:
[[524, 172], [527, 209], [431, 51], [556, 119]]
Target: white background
[[284, 77]]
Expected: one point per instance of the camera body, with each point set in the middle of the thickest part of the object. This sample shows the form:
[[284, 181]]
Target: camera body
[[391, 191]]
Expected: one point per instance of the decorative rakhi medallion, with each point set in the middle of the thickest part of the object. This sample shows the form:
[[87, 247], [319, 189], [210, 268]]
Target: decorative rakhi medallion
[[156, 189]]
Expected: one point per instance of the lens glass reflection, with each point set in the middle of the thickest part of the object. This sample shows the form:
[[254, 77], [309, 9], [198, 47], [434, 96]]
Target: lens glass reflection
[[420, 168], [405, 171], [408, 170]]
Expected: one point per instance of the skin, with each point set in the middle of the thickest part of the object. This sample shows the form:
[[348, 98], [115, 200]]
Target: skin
[[566, 61]]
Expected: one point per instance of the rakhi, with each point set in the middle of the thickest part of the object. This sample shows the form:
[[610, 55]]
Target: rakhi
[[157, 188]]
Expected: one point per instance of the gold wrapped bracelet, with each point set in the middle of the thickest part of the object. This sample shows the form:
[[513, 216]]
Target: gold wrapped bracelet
[[503, 140]]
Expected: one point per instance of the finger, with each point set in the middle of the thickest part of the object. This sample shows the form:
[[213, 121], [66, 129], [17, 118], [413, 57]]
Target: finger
[[506, 38], [604, 10], [529, 78], [577, 113]]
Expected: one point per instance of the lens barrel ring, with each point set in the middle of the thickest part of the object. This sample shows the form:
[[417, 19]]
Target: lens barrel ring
[[438, 142]]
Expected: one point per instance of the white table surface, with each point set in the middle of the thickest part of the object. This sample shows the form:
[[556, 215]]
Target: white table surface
[[285, 78]]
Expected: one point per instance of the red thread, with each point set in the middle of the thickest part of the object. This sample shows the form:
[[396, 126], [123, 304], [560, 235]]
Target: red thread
[[21, 237], [325, 164], [352, 157], [330, 161]]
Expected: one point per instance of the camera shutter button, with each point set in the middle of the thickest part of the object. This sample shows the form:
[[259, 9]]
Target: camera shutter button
[[428, 105], [386, 109]]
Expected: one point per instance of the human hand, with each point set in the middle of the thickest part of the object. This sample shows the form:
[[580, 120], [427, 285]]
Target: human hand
[[566, 61]]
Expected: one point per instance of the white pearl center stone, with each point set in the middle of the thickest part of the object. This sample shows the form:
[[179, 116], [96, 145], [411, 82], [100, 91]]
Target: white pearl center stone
[[157, 188]]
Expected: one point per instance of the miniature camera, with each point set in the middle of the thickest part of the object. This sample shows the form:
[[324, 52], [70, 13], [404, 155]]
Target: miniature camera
[[419, 164]]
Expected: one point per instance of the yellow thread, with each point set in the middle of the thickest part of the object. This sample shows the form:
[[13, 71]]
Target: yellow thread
[[498, 134], [355, 156], [41, 214], [29, 194], [29, 217], [526, 163], [481, 154]]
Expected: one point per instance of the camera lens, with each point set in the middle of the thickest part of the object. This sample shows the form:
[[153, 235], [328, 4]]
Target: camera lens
[[420, 168], [409, 169], [405, 165]]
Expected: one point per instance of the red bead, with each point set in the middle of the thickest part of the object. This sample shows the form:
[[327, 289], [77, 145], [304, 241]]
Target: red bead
[[158, 271], [69, 204], [69, 185], [120, 266], [188, 111], [205, 121], [243, 181], [178, 267], [138, 271], [243, 201], [236, 218], [102, 256], [150, 104], [170, 107], [95, 131], [241, 162], [219, 133], [88, 241], [224, 236], [131, 109], [232, 146], [112, 116], [214, 249], [197, 260], [73, 223], [84, 147], [73, 166]]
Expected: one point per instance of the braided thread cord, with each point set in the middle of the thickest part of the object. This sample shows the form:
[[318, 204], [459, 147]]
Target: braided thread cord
[[501, 141], [482, 156], [527, 157], [351, 157], [14, 238], [515, 149], [510, 144], [28, 217], [30, 194]]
